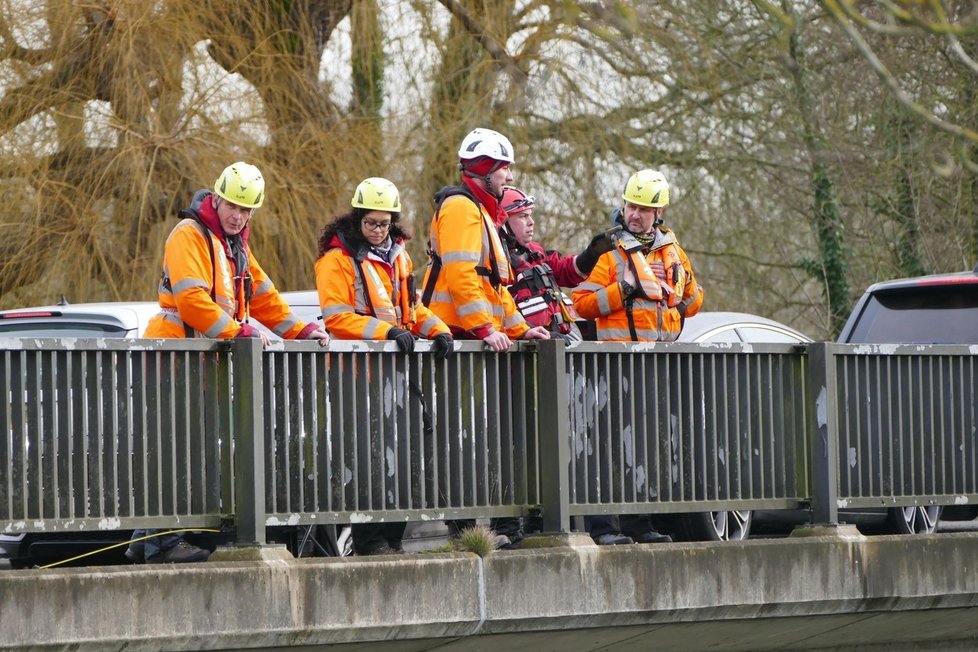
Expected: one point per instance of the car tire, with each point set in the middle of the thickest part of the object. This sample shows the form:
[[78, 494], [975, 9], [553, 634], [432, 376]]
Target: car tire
[[914, 519], [715, 526]]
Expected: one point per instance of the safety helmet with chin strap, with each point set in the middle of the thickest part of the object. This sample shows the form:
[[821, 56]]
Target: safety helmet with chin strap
[[242, 184], [480, 144], [647, 188]]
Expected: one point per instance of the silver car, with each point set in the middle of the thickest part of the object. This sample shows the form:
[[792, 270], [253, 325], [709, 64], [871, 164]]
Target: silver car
[[733, 327]]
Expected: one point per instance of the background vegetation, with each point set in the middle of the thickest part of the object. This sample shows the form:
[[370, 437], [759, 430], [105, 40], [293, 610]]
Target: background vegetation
[[813, 147]]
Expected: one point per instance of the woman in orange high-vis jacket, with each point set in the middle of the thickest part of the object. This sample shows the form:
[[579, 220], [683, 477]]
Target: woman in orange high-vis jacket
[[210, 287], [366, 292], [364, 275]]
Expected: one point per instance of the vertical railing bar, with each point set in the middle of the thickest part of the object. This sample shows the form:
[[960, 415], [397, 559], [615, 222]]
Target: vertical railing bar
[[34, 418], [716, 364], [7, 443], [553, 428], [249, 449], [736, 409], [28, 420], [137, 440], [825, 456]]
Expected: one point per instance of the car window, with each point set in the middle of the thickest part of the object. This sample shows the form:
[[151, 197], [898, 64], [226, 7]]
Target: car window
[[61, 330], [927, 314]]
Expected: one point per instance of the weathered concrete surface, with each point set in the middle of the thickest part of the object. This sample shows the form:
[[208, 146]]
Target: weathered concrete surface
[[800, 593]]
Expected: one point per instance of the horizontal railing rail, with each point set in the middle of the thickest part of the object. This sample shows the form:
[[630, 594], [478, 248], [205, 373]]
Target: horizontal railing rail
[[119, 434]]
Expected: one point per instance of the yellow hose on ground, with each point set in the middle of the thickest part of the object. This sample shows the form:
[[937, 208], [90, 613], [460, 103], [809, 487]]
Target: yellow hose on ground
[[126, 543]]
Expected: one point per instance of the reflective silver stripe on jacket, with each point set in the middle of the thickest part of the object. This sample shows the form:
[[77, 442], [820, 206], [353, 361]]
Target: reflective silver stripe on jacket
[[265, 286], [282, 328], [222, 322], [480, 305], [427, 327]]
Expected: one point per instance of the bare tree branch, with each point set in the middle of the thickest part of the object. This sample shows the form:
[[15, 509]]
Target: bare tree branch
[[842, 17], [496, 50]]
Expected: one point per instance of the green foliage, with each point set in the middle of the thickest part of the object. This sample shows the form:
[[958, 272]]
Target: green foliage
[[479, 540]]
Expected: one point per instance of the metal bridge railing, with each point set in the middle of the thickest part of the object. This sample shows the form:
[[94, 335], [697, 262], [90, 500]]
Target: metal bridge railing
[[365, 430], [905, 418], [104, 433], [116, 434], [683, 427]]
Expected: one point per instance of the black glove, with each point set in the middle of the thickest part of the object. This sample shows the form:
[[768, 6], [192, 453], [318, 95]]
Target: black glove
[[442, 346], [404, 339], [587, 259]]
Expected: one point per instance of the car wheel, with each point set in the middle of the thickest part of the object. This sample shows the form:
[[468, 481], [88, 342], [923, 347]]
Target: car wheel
[[715, 526], [915, 519]]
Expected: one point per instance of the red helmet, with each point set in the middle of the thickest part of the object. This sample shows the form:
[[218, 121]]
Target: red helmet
[[515, 200]]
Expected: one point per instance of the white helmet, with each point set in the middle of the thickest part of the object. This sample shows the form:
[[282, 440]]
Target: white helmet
[[486, 142]]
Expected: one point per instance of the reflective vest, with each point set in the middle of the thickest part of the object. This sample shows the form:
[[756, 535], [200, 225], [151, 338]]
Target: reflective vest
[[363, 296], [655, 312], [468, 271]]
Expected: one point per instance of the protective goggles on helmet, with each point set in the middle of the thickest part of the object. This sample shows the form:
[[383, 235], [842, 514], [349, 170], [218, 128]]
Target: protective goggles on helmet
[[520, 204]]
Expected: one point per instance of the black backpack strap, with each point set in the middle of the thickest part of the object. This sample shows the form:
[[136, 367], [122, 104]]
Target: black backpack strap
[[440, 197]]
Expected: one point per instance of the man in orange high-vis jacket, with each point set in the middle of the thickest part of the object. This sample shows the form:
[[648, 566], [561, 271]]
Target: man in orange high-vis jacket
[[211, 286], [468, 269], [643, 289], [640, 291]]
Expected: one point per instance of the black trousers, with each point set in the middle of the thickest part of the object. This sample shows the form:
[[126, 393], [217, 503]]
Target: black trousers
[[368, 537]]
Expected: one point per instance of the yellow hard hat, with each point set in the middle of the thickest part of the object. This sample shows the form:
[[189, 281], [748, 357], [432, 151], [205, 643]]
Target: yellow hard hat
[[377, 194], [241, 184], [647, 188]]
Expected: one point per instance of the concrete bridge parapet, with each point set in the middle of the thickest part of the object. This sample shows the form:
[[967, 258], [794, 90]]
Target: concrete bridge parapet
[[814, 592]]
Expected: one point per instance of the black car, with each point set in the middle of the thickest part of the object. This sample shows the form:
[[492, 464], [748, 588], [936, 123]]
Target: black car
[[933, 309]]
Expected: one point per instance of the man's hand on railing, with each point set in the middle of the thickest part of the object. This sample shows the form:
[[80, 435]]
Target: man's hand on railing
[[314, 331], [497, 341], [247, 330], [536, 333]]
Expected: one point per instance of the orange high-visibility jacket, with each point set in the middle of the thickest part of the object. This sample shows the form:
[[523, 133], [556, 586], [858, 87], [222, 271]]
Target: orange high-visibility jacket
[[186, 307], [640, 319], [464, 237], [365, 304]]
